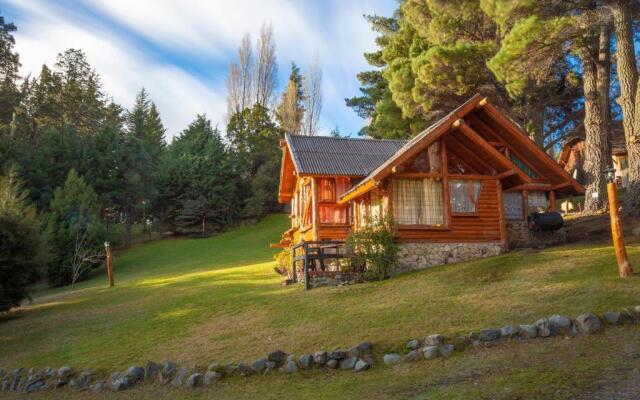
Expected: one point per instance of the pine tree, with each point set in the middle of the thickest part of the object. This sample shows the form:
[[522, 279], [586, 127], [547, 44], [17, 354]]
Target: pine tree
[[154, 134], [290, 111], [10, 94]]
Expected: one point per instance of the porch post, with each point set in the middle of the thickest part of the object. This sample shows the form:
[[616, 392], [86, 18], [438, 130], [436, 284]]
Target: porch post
[[293, 263], [306, 267]]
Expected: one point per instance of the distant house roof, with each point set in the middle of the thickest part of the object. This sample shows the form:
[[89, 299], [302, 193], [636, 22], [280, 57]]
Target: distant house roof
[[323, 155]]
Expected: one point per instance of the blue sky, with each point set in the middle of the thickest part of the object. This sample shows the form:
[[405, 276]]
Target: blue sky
[[179, 49]]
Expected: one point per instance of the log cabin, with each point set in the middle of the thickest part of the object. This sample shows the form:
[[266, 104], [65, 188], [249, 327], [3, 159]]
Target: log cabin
[[461, 189]]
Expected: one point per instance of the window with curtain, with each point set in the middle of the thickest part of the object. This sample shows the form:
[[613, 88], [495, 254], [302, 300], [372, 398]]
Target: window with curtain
[[512, 205], [332, 214], [342, 186], [537, 201], [463, 195], [418, 202], [326, 190]]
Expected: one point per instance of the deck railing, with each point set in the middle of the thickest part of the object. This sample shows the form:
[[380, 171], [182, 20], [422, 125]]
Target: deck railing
[[310, 252]]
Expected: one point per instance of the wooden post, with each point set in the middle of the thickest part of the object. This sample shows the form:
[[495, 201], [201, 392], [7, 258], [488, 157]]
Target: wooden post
[[306, 266], [294, 266], [552, 201], [107, 249], [501, 218], [625, 268]]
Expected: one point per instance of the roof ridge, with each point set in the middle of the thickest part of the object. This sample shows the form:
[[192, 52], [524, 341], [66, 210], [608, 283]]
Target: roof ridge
[[348, 138]]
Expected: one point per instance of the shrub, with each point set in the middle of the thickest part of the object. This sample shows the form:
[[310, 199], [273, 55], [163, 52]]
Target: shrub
[[374, 249], [283, 262]]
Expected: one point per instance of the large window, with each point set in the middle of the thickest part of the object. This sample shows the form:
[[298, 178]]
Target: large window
[[330, 189], [513, 205], [332, 214], [418, 202], [537, 201], [463, 195]]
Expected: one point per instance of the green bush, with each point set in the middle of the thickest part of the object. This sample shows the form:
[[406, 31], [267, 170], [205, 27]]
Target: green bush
[[374, 249], [284, 265]]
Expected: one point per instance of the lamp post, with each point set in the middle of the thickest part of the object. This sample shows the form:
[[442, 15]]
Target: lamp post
[[624, 267]]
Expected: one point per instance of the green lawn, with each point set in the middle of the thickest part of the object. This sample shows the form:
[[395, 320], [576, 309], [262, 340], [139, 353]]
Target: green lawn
[[201, 300]]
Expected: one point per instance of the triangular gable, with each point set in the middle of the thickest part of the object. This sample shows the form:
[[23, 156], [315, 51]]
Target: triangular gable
[[288, 170], [455, 120]]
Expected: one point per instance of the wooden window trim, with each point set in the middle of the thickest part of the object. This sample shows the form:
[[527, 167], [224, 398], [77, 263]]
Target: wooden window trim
[[422, 227]]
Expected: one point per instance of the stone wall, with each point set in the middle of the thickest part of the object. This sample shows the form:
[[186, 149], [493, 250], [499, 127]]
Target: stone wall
[[332, 278], [413, 256], [520, 236]]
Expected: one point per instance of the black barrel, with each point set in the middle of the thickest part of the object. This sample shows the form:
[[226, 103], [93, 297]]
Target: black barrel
[[546, 221]]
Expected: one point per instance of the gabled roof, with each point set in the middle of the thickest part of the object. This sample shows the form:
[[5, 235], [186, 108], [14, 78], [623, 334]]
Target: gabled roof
[[323, 155]]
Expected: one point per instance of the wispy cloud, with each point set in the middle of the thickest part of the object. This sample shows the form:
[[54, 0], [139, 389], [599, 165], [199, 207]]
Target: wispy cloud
[[179, 49]]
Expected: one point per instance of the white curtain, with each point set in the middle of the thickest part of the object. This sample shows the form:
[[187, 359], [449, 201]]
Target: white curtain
[[417, 202], [464, 195]]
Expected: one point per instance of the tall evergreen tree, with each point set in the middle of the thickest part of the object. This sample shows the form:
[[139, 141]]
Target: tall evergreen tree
[[10, 94], [290, 111]]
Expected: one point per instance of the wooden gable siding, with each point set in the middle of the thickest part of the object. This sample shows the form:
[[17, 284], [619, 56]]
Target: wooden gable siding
[[482, 226]]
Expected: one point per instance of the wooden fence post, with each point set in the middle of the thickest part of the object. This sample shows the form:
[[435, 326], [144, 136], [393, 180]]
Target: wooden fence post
[[107, 249], [624, 267]]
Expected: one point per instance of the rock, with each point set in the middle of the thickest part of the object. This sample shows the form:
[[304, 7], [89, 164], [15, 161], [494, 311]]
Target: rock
[[49, 373], [16, 377], [123, 383], [270, 365], [98, 386], [431, 352], [169, 370], [474, 336], [460, 343], [489, 335], [332, 363], [320, 357], [509, 331], [560, 325], [290, 366], [116, 375], [306, 361], [245, 370], [194, 380], [528, 331], [434, 340], [413, 355], [35, 385], [630, 315], [260, 365], [361, 365], [151, 371], [447, 350], [338, 355], [211, 377], [362, 349], [613, 318], [588, 324], [278, 357], [64, 372], [230, 368], [348, 363], [216, 367], [412, 344], [85, 378], [135, 373], [391, 358], [544, 327], [178, 380]]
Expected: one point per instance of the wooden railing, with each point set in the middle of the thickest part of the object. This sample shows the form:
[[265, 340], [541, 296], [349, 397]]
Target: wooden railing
[[309, 252]]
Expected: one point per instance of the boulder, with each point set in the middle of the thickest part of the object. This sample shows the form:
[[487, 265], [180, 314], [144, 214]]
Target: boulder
[[85, 378], [49, 373], [194, 380], [509, 331], [338, 354], [245, 370], [560, 325], [431, 352], [169, 369], [332, 363], [361, 365], [361, 349], [306, 361], [260, 365], [211, 377], [16, 378], [588, 324], [278, 357], [180, 376], [122, 383], [434, 340], [391, 358], [320, 357], [135, 373], [528, 331], [98, 386], [489, 335], [544, 327], [35, 384], [447, 350], [290, 366], [413, 355], [64, 372], [412, 344], [613, 318], [460, 342], [151, 371], [348, 363]]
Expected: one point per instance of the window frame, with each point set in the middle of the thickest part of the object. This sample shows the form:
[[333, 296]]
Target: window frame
[[436, 227], [473, 213]]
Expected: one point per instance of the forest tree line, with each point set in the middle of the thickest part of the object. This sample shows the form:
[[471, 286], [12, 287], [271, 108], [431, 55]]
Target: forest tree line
[[78, 169]]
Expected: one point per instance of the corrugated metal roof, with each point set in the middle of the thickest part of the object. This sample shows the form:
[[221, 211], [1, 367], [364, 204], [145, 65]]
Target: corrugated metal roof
[[323, 155]]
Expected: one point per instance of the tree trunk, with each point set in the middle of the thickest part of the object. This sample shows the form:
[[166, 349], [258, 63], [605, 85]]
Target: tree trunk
[[593, 122], [604, 84], [629, 100]]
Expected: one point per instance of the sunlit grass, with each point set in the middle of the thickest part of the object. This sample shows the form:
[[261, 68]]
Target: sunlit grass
[[201, 300]]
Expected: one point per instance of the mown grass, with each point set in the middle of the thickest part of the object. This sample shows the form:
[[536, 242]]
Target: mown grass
[[199, 300]]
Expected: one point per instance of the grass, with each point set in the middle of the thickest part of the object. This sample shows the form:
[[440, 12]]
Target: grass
[[201, 300]]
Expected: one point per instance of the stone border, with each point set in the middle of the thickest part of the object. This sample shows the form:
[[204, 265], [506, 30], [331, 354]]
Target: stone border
[[357, 359]]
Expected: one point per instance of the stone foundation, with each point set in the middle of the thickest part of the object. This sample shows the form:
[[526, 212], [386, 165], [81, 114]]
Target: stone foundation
[[332, 278], [520, 236], [413, 256]]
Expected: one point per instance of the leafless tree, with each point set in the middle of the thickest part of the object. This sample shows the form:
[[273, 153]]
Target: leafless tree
[[265, 67], [312, 99], [240, 79], [84, 256]]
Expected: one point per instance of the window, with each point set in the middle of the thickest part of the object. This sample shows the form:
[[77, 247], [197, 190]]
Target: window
[[524, 167], [418, 202], [512, 205], [326, 191], [332, 214], [537, 201], [464, 195]]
